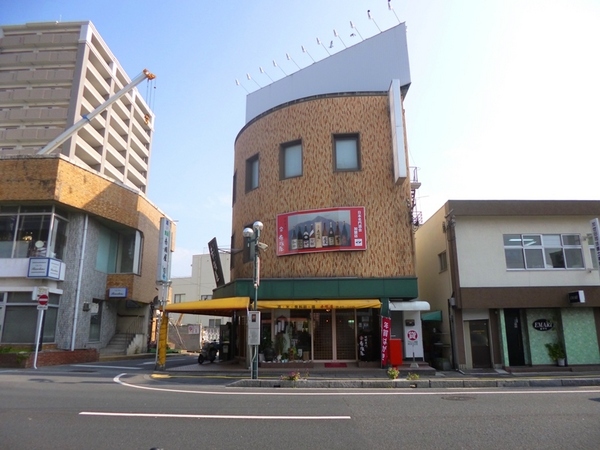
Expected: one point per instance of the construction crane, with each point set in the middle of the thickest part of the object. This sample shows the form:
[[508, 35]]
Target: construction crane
[[145, 75]]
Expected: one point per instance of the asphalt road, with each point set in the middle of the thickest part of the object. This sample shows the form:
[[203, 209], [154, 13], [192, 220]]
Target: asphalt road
[[121, 406]]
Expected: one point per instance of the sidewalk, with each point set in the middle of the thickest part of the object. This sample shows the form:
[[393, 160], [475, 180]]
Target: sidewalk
[[320, 376]]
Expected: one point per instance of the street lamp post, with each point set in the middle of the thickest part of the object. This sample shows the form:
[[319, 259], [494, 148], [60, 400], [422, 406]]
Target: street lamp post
[[253, 236]]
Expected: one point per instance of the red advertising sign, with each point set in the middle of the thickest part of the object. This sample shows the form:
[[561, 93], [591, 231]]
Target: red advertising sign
[[386, 329], [321, 230]]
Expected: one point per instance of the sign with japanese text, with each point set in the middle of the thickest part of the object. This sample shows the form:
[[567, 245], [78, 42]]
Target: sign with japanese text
[[321, 230], [386, 326], [215, 259], [596, 235], [163, 270]]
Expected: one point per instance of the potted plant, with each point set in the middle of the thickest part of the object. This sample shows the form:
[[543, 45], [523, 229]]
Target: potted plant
[[556, 353], [267, 349]]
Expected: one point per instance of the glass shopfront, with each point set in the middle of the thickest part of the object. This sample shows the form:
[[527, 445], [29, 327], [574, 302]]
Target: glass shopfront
[[289, 335]]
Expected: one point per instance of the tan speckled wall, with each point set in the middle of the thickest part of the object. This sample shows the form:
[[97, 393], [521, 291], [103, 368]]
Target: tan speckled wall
[[389, 234]]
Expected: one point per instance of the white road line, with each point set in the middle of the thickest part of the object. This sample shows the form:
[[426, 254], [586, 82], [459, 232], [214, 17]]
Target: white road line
[[213, 416], [105, 367], [369, 392]]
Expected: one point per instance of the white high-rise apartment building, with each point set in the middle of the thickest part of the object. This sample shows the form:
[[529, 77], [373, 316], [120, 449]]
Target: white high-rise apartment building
[[52, 75]]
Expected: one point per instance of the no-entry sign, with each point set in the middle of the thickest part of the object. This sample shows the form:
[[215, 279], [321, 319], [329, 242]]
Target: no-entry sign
[[43, 301]]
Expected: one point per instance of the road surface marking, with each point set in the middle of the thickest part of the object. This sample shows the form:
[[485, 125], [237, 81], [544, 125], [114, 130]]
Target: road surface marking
[[212, 416], [105, 367]]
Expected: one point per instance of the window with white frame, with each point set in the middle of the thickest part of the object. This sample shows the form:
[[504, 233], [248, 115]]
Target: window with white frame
[[178, 298], [252, 173], [543, 251], [346, 153], [290, 160]]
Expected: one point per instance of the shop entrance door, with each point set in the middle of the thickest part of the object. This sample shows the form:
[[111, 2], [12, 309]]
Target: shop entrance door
[[480, 344], [514, 337], [334, 335]]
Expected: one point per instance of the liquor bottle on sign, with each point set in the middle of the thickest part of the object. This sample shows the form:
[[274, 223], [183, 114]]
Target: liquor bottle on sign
[[299, 239], [345, 240], [337, 234], [318, 235], [311, 237], [324, 236], [331, 236], [306, 237], [294, 241]]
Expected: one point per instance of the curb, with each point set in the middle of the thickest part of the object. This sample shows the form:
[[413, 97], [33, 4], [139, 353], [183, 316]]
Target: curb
[[414, 384]]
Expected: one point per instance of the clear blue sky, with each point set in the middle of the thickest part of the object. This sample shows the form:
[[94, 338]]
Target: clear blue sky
[[504, 101]]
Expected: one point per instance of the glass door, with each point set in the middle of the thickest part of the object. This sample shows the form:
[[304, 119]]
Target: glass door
[[323, 335], [345, 335]]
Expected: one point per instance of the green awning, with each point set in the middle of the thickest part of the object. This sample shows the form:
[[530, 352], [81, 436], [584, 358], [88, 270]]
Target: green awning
[[433, 316]]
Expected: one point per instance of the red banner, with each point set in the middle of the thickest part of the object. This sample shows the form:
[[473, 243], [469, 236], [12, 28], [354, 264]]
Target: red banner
[[386, 330], [321, 230]]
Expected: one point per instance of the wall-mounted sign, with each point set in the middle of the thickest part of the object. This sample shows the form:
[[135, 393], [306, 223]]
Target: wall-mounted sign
[[44, 268], [163, 269], [215, 260], [118, 292], [577, 297], [543, 325], [321, 230]]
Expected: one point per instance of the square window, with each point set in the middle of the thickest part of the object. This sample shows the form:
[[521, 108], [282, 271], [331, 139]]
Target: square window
[[534, 258], [574, 258], [252, 173], [290, 160], [346, 153], [514, 258]]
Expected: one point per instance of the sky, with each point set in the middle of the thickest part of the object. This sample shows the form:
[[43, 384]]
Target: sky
[[504, 101]]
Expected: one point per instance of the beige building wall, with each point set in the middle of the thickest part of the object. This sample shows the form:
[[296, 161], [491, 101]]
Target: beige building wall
[[314, 121]]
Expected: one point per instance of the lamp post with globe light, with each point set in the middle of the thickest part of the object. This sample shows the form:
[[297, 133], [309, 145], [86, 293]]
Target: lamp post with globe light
[[253, 237]]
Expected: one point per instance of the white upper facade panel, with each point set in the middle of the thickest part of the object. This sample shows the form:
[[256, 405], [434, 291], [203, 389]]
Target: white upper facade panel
[[369, 66]]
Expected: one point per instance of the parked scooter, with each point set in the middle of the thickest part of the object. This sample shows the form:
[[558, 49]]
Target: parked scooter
[[209, 352]]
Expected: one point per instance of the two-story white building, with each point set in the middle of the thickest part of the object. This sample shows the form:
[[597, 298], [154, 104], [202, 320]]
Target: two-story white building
[[505, 278]]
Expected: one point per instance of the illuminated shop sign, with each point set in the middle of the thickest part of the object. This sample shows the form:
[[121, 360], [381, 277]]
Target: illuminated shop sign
[[321, 230]]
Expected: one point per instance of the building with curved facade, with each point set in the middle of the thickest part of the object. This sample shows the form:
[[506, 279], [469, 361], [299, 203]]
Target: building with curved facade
[[322, 163]]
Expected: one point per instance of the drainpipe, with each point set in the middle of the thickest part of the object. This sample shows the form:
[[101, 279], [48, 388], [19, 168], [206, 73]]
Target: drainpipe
[[79, 278]]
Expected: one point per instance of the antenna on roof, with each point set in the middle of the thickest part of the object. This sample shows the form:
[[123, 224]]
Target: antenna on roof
[[371, 18], [321, 44], [289, 58], [262, 71], [305, 51], [391, 8], [252, 79], [354, 28], [335, 33], [275, 65], [238, 84]]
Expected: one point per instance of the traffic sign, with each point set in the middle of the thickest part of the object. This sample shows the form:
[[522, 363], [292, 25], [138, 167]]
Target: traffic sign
[[412, 335], [43, 301]]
